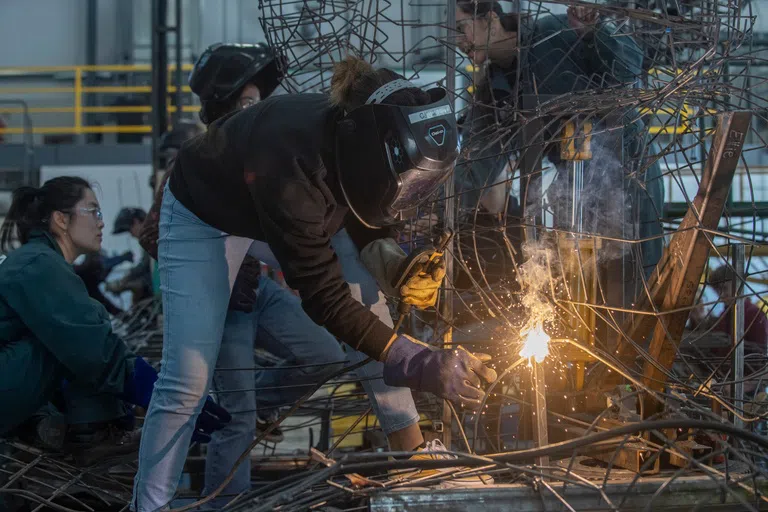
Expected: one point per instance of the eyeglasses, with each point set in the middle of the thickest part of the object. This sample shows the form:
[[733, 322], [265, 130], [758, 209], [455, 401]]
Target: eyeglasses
[[96, 212], [246, 102]]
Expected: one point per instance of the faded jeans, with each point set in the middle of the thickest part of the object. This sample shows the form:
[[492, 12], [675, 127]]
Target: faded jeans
[[197, 266]]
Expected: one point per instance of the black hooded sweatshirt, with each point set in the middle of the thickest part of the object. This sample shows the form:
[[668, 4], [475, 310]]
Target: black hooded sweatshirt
[[267, 173]]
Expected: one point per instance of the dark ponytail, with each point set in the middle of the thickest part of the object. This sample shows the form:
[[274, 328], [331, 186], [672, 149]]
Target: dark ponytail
[[354, 80], [32, 207]]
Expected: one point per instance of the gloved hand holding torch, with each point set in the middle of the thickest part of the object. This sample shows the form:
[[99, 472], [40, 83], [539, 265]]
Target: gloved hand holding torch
[[453, 374]]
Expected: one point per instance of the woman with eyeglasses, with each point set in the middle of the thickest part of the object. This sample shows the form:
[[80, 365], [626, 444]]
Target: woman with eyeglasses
[[65, 377]]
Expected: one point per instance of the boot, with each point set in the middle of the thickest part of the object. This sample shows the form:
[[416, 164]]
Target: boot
[[262, 424], [45, 432], [91, 444]]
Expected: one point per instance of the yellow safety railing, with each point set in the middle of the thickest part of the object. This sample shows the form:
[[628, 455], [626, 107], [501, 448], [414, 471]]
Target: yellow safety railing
[[79, 107], [78, 90]]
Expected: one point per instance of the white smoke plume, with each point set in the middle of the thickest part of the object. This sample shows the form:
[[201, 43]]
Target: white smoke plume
[[605, 201]]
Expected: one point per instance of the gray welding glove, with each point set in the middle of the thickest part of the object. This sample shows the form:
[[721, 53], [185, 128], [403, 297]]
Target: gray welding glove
[[383, 258], [454, 374]]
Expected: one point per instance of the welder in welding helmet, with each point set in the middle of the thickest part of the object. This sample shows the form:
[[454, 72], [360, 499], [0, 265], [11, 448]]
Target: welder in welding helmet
[[406, 153], [284, 178], [390, 159]]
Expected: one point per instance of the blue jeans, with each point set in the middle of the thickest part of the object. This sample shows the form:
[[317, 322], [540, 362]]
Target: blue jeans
[[286, 331], [197, 265]]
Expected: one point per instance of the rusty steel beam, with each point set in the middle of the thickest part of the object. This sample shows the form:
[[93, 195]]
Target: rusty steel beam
[[632, 456], [692, 449], [688, 251], [637, 327]]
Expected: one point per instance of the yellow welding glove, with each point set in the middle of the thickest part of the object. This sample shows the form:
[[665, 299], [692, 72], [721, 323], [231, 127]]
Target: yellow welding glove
[[422, 289], [383, 258]]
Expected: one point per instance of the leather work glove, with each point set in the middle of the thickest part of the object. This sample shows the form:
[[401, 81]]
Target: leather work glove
[[244, 291], [455, 374], [421, 290], [138, 391], [386, 261]]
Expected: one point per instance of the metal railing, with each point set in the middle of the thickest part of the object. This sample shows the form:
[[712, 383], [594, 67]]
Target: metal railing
[[78, 88]]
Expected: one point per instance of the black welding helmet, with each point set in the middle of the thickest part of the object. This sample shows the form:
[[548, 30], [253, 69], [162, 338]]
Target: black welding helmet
[[391, 158], [224, 69]]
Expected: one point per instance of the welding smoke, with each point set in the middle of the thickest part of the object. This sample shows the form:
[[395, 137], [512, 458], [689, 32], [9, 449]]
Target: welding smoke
[[536, 283], [604, 201]]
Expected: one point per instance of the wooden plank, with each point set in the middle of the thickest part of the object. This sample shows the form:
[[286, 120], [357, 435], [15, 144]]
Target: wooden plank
[[688, 251]]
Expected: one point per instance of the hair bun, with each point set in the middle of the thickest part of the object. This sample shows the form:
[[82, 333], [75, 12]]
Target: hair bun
[[27, 194], [345, 74]]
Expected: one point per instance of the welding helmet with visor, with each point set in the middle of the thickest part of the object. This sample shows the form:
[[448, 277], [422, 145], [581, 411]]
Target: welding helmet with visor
[[391, 158]]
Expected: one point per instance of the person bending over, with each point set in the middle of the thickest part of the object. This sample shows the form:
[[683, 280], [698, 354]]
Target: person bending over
[[286, 173]]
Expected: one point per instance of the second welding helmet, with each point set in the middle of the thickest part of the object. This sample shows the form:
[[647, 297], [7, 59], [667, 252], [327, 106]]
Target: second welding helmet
[[391, 158], [224, 69]]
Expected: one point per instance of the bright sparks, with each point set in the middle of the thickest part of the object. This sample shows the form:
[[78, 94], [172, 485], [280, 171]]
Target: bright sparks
[[536, 344]]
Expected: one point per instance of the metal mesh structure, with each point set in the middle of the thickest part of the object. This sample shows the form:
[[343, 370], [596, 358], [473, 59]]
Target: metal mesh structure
[[608, 168], [606, 171], [31, 479]]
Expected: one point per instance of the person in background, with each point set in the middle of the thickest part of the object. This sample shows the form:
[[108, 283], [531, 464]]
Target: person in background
[[169, 145], [278, 180], [94, 269], [556, 55], [65, 377], [755, 321], [138, 280]]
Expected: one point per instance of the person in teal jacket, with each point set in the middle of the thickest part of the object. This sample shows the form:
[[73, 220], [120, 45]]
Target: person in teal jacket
[[553, 56], [60, 363]]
